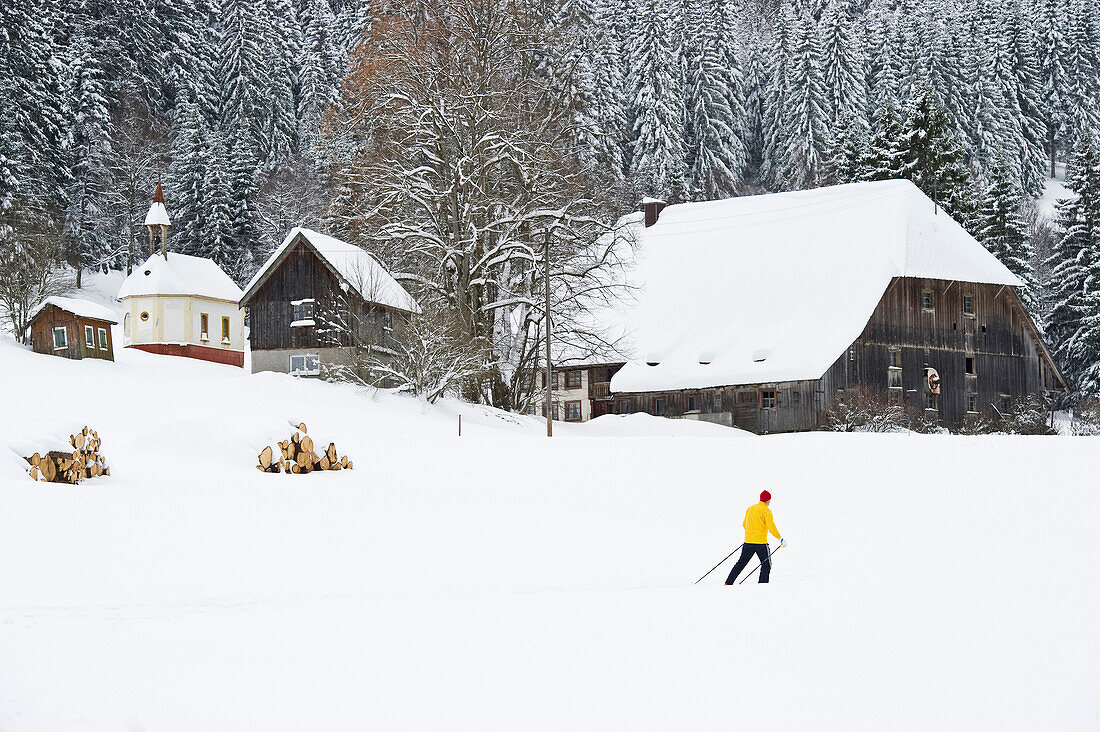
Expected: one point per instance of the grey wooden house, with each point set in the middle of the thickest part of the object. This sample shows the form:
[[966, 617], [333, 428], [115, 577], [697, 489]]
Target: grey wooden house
[[761, 312], [320, 303]]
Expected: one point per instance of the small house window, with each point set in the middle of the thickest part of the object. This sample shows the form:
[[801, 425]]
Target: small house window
[[305, 364], [717, 401], [573, 411], [968, 304], [972, 402], [624, 406], [225, 330], [970, 365], [303, 311], [572, 379], [796, 397], [926, 302], [103, 339], [554, 412], [767, 399], [204, 327], [89, 336], [659, 406], [691, 403], [60, 338], [895, 358], [387, 320]]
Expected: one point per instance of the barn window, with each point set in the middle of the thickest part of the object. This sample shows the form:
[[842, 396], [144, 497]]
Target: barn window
[[931, 401], [926, 301], [895, 358], [796, 397], [767, 399], [968, 304], [204, 326], [572, 379], [89, 336], [624, 406], [692, 403], [573, 411], [744, 397], [103, 339], [717, 401], [303, 312], [659, 406], [305, 364], [972, 402], [225, 330], [970, 365], [60, 338]]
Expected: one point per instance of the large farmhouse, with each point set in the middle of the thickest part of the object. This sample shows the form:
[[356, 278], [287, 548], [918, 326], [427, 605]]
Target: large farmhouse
[[760, 312], [317, 302]]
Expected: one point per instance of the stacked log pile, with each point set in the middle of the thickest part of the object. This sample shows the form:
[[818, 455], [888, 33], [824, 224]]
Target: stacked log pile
[[297, 456], [64, 466]]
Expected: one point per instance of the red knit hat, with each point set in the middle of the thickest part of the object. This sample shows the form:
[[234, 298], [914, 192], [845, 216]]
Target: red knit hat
[[765, 496]]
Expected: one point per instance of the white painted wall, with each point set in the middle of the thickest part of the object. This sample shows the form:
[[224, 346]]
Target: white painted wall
[[177, 319]]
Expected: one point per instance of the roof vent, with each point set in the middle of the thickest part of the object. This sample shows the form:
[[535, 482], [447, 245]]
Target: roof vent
[[652, 363], [148, 272], [759, 356], [705, 358]]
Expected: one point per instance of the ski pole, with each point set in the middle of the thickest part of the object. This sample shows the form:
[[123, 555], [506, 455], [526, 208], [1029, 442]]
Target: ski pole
[[750, 574], [718, 565]]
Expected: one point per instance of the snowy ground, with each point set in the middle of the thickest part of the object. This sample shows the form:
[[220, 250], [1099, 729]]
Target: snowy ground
[[503, 581]]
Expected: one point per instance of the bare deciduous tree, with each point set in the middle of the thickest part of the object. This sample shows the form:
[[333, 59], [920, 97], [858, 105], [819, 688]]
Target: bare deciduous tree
[[139, 149], [458, 167], [32, 265]]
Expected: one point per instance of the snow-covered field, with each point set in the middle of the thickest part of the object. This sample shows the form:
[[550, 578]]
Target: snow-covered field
[[503, 581]]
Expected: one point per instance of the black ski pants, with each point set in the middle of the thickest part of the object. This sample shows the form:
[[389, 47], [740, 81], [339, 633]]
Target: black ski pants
[[747, 552]]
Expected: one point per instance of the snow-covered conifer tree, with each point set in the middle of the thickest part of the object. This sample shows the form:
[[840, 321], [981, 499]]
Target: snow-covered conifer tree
[[1003, 229], [805, 115], [843, 64], [1072, 327], [715, 115], [657, 92]]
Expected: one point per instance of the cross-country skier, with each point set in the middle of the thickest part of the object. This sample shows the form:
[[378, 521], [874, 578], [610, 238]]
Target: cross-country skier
[[758, 522]]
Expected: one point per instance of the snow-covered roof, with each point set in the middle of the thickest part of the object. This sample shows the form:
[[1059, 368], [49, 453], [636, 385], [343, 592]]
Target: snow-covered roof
[[157, 216], [180, 274], [353, 265], [80, 308], [776, 287]]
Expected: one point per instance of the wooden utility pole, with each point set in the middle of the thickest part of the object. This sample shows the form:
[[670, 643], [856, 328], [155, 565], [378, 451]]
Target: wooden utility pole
[[549, 372]]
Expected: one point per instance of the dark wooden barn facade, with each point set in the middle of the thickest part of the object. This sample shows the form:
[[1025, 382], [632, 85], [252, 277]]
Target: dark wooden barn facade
[[978, 338], [302, 314], [71, 331]]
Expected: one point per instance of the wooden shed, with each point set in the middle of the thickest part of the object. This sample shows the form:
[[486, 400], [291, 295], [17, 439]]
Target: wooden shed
[[65, 326]]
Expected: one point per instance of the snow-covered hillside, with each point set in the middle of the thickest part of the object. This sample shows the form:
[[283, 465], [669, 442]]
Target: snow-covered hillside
[[503, 581]]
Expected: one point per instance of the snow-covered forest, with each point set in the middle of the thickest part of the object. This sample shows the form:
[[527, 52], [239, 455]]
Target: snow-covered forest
[[456, 139]]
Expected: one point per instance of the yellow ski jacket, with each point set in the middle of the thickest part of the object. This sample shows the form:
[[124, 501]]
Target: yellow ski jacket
[[758, 522]]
